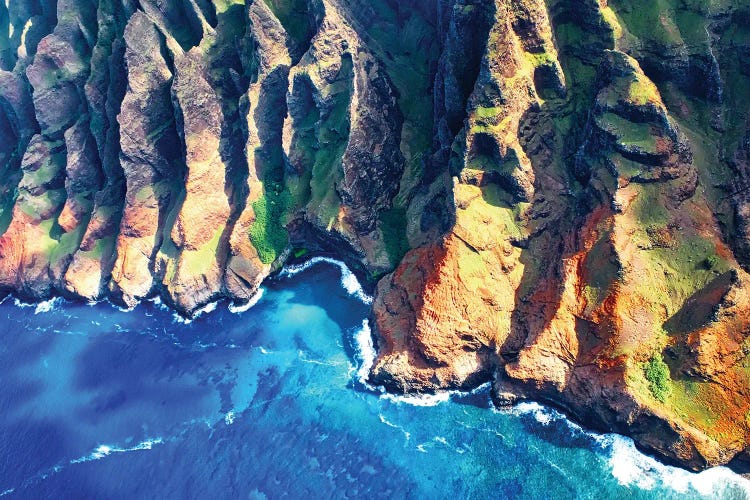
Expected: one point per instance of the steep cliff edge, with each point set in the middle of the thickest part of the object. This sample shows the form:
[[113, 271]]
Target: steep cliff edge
[[550, 195]]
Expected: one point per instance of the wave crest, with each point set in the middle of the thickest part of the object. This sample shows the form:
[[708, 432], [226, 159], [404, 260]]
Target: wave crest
[[631, 467], [105, 450], [348, 280], [241, 308]]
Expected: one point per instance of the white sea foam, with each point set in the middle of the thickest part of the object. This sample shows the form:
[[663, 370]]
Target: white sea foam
[[541, 414], [179, 318], [105, 450], [303, 357], [365, 350], [125, 309], [348, 279], [229, 418], [158, 303], [390, 424], [208, 308], [434, 399], [22, 305], [237, 309], [39, 307], [7, 492], [366, 353], [419, 399], [47, 305], [632, 468]]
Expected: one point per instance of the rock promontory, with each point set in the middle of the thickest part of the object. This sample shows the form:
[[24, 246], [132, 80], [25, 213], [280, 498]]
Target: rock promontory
[[551, 196]]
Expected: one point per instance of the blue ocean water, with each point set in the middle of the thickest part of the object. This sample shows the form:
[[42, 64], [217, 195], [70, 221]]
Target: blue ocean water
[[265, 403]]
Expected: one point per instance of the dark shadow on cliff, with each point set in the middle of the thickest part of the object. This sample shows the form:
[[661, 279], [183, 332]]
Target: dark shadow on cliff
[[539, 294], [551, 134], [230, 79], [698, 310]]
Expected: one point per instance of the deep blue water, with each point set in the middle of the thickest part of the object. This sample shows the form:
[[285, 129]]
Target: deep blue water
[[100, 403]]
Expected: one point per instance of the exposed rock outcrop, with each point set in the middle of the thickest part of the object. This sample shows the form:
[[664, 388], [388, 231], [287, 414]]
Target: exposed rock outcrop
[[550, 195]]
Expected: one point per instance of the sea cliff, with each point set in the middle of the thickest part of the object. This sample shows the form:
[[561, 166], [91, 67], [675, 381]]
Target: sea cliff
[[549, 195]]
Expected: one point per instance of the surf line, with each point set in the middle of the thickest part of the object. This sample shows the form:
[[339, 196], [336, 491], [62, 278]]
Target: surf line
[[348, 280]]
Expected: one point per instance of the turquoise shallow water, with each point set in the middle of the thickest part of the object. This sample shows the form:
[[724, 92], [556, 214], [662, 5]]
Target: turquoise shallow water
[[100, 403]]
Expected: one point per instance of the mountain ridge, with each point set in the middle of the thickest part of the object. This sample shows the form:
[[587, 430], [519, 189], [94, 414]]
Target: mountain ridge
[[549, 195]]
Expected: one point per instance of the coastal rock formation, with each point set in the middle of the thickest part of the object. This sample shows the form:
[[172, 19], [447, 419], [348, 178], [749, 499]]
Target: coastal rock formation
[[552, 196]]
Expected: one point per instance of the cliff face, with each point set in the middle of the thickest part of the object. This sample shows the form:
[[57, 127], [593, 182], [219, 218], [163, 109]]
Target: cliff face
[[550, 195]]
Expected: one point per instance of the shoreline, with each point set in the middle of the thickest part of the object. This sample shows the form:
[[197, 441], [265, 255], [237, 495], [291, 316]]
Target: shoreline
[[366, 351]]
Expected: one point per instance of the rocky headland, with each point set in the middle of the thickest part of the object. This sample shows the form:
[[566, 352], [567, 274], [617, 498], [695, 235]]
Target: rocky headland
[[553, 196]]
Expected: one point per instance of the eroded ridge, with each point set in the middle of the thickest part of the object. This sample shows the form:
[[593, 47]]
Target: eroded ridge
[[549, 195]]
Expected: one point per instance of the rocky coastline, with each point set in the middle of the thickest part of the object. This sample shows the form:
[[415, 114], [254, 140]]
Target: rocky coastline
[[551, 196]]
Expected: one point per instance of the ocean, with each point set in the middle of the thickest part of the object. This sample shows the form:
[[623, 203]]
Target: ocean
[[268, 401]]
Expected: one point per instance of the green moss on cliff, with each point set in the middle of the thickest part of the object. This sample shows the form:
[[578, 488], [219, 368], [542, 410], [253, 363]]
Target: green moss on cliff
[[656, 372], [102, 248], [267, 234], [393, 227], [68, 243], [332, 139], [294, 17], [39, 207], [664, 22], [629, 134], [199, 262]]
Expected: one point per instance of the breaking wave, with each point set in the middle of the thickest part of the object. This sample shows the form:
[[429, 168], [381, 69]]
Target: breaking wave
[[348, 280], [105, 450], [240, 308], [631, 467]]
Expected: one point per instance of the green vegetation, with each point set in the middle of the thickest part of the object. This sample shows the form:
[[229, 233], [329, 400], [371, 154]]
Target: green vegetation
[[611, 19], [407, 43], [267, 234], [6, 211], [680, 270], [45, 174], [199, 262], [102, 247], [648, 207], [471, 265], [46, 203], [224, 5], [711, 262], [629, 134], [641, 91], [68, 243], [48, 242], [332, 138], [667, 22], [487, 113], [687, 400], [540, 58], [393, 226], [295, 18], [656, 372], [626, 168]]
